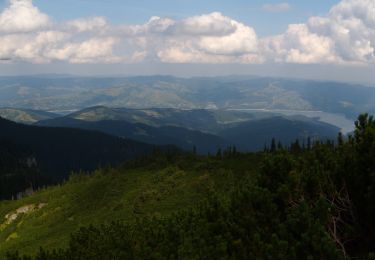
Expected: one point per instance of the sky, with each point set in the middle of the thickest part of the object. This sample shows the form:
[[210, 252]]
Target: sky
[[137, 12], [317, 39]]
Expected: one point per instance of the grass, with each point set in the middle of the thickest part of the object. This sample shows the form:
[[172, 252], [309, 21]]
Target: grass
[[106, 195]]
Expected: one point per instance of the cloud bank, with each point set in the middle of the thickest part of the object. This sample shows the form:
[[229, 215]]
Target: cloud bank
[[346, 35]]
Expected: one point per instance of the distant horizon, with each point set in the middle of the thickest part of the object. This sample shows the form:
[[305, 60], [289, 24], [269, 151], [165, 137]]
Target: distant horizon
[[72, 75]]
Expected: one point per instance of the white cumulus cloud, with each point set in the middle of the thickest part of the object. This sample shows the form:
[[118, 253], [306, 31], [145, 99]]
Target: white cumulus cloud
[[22, 16], [88, 24], [210, 38], [214, 24], [30, 35], [351, 25], [299, 45], [346, 35], [89, 51]]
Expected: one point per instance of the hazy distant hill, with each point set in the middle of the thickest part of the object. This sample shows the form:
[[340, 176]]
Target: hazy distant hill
[[26, 116], [67, 93], [163, 135], [197, 119], [208, 130], [254, 135]]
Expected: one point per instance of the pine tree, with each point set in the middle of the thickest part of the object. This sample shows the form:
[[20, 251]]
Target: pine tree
[[273, 145]]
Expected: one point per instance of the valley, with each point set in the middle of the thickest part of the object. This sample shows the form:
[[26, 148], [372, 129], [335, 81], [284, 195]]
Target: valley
[[84, 160], [187, 130], [67, 93]]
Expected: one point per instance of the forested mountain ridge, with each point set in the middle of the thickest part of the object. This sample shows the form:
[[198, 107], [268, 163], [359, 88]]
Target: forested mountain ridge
[[59, 151], [26, 116], [203, 120], [56, 154], [254, 135], [295, 202], [51, 93], [157, 135], [19, 171], [207, 130]]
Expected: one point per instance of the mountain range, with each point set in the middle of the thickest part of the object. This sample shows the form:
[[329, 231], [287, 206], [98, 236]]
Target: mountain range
[[111, 154], [207, 130], [56, 152], [67, 93], [71, 123], [26, 116], [99, 136]]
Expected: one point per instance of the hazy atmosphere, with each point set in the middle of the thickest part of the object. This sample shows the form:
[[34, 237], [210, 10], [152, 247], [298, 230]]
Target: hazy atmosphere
[[187, 129]]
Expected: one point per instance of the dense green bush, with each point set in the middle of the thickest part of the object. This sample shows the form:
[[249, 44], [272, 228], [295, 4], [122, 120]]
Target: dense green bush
[[314, 202]]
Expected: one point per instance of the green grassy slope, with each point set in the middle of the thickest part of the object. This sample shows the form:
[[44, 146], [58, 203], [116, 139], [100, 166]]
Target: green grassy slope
[[113, 194]]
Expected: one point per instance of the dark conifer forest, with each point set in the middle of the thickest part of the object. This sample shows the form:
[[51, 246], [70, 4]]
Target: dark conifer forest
[[32, 157], [298, 201]]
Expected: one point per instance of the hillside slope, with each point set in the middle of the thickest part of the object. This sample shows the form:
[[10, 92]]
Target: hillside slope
[[72, 93], [254, 135], [313, 202], [18, 170], [156, 187], [207, 130], [204, 120], [58, 151], [26, 116], [163, 135]]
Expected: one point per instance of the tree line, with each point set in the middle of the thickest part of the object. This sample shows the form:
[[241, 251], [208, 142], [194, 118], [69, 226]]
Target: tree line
[[315, 202]]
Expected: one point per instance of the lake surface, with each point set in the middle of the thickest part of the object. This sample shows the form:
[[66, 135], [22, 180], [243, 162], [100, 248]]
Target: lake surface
[[341, 121]]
